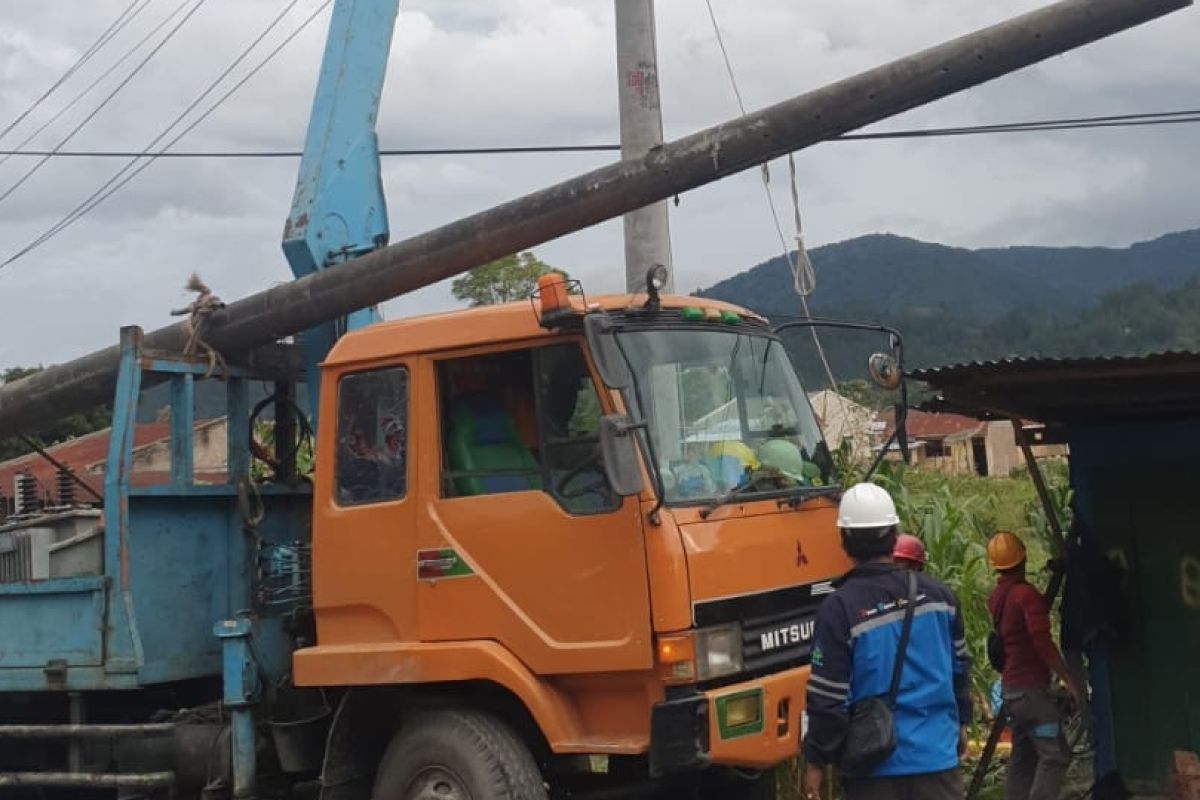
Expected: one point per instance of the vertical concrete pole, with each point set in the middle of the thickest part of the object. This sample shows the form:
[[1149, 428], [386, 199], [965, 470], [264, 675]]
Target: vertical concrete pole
[[647, 232]]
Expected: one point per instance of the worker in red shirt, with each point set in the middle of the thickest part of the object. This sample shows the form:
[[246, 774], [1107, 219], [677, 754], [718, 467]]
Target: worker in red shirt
[[1040, 754]]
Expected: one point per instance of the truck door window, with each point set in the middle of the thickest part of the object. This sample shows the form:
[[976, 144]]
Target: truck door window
[[489, 426], [520, 421], [372, 434], [569, 413]]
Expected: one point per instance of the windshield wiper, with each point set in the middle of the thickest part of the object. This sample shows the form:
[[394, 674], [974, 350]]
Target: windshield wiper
[[716, 502], [794, 496], [736, 491], [801, 494]]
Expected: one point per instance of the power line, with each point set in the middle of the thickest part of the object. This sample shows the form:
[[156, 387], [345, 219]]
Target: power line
[[108, 99], [1075, 124], [123, 19], [1080, 123], [104, 75], [149, 158], [135, 157], [442, 151]]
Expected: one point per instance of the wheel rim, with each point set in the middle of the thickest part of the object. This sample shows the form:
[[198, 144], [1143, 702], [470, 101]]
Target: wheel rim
[[436, 783]]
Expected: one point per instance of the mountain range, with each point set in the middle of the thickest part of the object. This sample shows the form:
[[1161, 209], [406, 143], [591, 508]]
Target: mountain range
[[883, 271], [956, 304]]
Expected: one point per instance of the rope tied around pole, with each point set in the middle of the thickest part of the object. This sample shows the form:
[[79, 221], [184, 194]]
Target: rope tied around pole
[[200, 312]]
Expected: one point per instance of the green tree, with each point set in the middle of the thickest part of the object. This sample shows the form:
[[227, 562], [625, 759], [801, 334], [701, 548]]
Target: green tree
[[54, 431], [503, 280]]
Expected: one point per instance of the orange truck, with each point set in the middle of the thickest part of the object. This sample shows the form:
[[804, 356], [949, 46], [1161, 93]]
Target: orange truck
[[568, 544]]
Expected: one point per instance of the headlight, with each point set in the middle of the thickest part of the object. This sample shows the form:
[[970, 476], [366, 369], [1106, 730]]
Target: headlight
[[701, 655], [718, 651]]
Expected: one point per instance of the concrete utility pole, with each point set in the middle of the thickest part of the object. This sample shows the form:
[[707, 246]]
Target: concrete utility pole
[[647, 230], [604, 193]]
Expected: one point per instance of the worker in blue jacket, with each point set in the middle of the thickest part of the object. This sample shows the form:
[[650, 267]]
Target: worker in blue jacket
[[855, 643]]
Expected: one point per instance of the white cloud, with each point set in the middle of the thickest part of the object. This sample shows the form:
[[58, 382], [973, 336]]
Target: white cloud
[[517, 72]]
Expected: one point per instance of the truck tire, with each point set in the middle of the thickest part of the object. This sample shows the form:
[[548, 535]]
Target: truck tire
[[458, 755]]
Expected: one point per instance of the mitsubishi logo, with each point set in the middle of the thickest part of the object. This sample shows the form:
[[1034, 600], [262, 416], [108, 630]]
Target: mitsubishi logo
[[801, 559]]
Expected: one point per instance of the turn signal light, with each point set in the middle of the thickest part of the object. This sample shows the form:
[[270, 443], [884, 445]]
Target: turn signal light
[[677, 658]]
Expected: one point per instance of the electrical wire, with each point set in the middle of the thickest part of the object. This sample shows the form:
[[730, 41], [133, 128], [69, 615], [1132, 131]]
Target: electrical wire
[[149, 158], [437, 151], [115, 27], [1082, 123], [212, 86], [108, 99], [111, 69]]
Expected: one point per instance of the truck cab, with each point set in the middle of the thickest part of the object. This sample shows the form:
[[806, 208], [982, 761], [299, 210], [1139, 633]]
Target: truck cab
[[606, 522]]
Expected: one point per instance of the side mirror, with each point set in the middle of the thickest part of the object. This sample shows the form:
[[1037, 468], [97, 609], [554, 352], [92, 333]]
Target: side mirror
[[884, 370], [618, 446], [601, 339]]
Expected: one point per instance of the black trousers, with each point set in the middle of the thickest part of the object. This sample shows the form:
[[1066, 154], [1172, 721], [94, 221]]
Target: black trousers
[[930, 786]]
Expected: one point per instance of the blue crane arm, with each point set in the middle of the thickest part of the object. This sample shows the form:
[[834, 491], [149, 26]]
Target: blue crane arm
[[338, 210]]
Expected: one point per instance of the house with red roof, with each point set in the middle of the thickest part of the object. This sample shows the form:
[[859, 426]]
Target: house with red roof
[[962, 445], [86, 457]]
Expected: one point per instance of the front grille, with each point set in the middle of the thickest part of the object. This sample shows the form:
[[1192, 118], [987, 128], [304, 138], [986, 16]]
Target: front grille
[[777, 626]]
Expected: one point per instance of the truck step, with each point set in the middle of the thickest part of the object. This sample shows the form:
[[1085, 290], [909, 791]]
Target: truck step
[[86, 731], [88, 780]]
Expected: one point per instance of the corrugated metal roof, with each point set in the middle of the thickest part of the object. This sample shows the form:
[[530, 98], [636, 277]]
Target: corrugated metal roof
[[1070, 390], [1036, 363]]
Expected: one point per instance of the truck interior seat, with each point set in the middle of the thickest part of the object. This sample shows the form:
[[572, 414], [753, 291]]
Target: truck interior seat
[[483, 442]]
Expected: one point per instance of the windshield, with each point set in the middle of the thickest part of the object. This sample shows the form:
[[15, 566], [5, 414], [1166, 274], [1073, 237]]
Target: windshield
[[725, 412]]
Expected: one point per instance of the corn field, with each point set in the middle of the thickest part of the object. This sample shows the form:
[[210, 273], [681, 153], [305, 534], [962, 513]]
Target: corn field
[[954, 516]]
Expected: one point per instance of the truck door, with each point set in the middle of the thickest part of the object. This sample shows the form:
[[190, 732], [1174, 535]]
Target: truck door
[[524, 541]]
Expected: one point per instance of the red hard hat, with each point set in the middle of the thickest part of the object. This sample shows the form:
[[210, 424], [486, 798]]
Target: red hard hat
[[910, 548]]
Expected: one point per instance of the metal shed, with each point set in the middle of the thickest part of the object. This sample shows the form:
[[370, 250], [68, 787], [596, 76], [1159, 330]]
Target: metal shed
[[1133, 429]]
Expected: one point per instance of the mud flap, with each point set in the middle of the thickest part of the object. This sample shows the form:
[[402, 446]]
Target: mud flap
[[361, 729]]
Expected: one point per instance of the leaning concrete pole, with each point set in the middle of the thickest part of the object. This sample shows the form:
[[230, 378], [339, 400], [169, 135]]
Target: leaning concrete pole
[[601, 194], [647, 232]]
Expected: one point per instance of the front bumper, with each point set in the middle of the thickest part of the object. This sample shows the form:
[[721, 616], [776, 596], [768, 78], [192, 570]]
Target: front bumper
[[714, 728]]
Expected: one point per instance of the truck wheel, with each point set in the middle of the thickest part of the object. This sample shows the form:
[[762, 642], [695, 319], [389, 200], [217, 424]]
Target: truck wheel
[[458, 755]]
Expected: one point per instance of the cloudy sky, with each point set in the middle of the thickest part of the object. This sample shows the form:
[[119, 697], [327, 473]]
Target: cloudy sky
[[523, 72]]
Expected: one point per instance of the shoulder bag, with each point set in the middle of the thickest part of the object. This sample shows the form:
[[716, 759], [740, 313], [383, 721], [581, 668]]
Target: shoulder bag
[[871, 735]]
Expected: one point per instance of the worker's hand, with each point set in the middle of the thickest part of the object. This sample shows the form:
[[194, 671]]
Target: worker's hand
[[1078, 695], [813, 777], [963, 739]]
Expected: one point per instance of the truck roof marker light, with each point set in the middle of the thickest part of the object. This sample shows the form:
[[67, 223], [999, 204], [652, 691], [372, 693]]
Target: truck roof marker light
[[553, 292], [730, 318], [712, 314], [691, 313]]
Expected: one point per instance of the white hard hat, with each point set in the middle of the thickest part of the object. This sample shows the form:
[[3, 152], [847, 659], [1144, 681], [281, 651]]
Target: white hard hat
[[865, 505]]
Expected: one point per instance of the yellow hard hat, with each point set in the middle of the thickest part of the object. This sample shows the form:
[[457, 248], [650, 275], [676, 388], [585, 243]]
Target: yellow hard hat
[[1005, 550], [734, 449]]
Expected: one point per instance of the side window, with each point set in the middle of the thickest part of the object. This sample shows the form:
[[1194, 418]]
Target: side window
[[569, 417], [490, 439], [372, 434], [524, 420]]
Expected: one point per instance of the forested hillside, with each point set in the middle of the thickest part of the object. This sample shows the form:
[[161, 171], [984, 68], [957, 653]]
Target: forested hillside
[[954, 304]]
